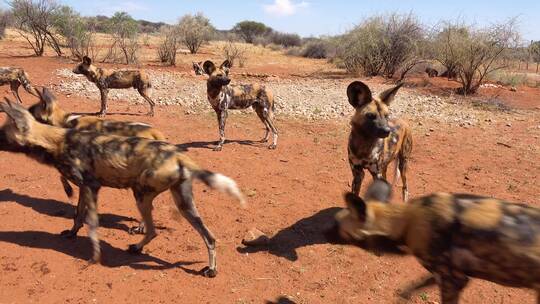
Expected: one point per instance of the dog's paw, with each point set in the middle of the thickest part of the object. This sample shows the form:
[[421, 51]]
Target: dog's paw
[[218, 148], [101, 114], [136, 230], [151, 114], [264, 140], [134, 249], [209, 273], [272, 147], [68, 234]]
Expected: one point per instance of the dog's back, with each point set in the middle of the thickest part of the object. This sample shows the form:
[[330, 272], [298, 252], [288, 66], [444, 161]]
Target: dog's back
[[476, 237]]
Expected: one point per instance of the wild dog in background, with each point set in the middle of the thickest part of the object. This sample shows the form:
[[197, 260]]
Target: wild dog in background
[[376, 140], [431, 72], [48, 111], [16, 77], [454, 236], [223, 97], [93, 160], [198, 68], [120, 79]]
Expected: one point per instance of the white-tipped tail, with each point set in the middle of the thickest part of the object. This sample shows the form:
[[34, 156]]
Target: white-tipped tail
[[226, 184]]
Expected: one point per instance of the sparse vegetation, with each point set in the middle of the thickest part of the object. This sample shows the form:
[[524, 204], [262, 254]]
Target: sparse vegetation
[[534, 50], [194, 31], [124, 30], [235, 53], [169, 46], [5, 20], [249, 30]]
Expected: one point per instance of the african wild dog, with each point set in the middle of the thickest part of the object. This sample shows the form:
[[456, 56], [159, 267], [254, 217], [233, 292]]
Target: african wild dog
[[93, 160], [223, 97], [454, 236], [198, 68], [375, 139], [120, 79], [48, 111], [16, 77], [432, 72]]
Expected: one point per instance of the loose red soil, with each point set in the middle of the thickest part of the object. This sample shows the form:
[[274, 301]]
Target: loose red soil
[[293, 193]]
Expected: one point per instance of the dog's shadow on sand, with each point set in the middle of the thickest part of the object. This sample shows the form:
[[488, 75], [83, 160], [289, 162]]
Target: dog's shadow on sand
[[212, 144], [281, 300], [319, 228], [56, 208], [80, 247], [110, 113]]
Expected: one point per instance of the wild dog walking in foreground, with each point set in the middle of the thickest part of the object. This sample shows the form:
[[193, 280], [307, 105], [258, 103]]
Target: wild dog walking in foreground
[[16, 77], [120, 79], [454, 236], [376, 140], [223, 97], [48, 111], [93, 160]]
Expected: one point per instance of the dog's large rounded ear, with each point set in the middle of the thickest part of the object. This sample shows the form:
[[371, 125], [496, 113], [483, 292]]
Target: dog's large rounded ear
[[226, 64], [388, 96], [380, 191], [358, 94], [356, 205], [87, 60], [209, 67], [17, 114]]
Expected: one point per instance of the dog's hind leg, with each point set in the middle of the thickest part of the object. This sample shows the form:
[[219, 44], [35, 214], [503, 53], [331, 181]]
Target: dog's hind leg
[[145, 94], [89, 197], [259, 110], [183, 197], [265, 111], [144, 203], [222, 119]]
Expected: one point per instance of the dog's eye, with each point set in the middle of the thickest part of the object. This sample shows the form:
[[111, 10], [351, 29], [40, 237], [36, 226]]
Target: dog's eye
[[371, 116]]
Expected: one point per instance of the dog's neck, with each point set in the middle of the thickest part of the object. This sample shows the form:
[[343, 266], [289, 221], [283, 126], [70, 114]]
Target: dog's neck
[[49, 138], [94, 74], [361, 143], [390, 220], [213, 90]]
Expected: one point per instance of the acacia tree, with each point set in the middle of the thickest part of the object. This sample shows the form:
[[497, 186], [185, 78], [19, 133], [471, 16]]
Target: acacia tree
[[33, 20], [194, 31], [124, 30], [249, 30]]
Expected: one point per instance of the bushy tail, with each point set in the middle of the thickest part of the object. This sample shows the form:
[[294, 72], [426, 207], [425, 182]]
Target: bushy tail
[[221, 183]]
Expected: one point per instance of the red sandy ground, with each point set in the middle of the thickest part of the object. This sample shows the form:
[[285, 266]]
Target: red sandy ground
[[293, 193]]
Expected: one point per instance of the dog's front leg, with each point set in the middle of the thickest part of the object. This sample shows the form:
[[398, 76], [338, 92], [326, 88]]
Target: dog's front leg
[[104, 92], [222, 118], [358, 176]]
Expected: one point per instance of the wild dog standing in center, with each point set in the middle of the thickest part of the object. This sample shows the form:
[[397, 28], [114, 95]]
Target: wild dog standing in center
[[376, 140], [93, 160], [223, 97], [454, 236], [48, 111], [120, 79]]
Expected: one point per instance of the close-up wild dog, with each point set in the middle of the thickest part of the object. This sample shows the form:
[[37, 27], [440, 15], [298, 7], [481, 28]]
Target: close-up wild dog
[[454, 236], [16, 77], [119, 79], [223, 97], [92, 160], [376, 140], [48, 111]]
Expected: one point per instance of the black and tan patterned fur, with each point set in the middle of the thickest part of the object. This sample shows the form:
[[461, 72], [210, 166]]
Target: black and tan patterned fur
[[119, 79], [93, 160], [16, 77], [48, 111], [454, 236], [376, 140], [224, 97]]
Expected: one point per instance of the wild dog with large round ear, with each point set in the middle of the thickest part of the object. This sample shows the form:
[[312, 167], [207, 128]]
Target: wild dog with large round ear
[[376, 140], [223, 97], [454, 236], [16, 77], [48, 111], [93, 160], [120, 79]]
